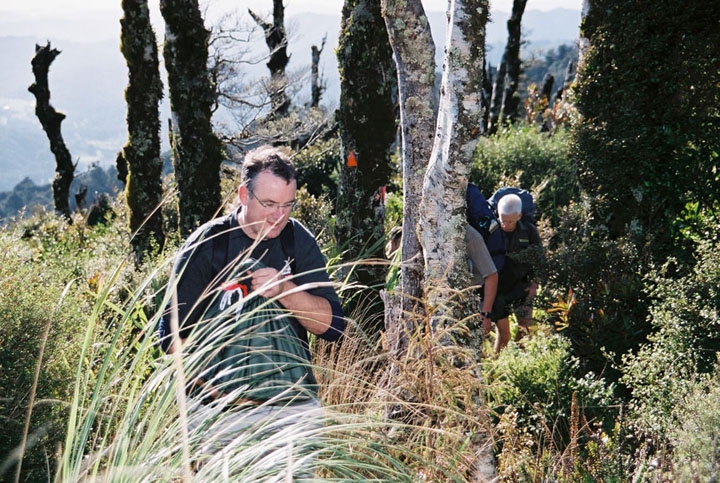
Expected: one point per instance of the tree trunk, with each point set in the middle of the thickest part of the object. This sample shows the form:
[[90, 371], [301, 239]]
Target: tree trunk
[[51, 121], [141, 154], [510, 100], [414, 51], [197, 153], [276, 40], [496, 98], [367, 119], [442, 222], [317, 86]]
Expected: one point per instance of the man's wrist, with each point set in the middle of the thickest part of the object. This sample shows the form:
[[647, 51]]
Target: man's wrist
[[484, 314]]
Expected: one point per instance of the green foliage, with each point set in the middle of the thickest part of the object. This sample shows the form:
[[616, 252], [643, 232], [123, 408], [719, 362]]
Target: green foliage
[[538, 382], [606, 317], [53, 273], [522, 156], [649, 126], [316, 214], [318, 167], [30, 301], [695, 433], [393, 210], [552, 424], [46, 279], [686, 341], [103, 378]]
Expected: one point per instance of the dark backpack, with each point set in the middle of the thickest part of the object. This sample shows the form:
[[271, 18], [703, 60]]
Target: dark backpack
[[481, 216], [528, 202]]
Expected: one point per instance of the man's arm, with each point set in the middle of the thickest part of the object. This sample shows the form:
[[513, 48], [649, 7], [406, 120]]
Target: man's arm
[[312, 311], [489, 294]]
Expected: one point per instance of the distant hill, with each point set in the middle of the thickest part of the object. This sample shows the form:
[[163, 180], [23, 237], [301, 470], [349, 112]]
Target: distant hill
[[88, 79]]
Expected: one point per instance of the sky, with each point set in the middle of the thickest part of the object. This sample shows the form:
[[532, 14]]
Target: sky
[[59, 18], [292, 6]]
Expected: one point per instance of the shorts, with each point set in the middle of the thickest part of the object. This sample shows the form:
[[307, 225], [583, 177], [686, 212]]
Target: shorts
[[507, 302]]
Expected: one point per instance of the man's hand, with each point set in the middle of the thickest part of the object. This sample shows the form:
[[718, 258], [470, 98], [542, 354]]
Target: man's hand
[[532, 289], [269, 281], [487, 324]]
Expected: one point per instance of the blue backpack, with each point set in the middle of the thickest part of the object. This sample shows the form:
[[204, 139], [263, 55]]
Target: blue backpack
[[481, 216], [528, 202]]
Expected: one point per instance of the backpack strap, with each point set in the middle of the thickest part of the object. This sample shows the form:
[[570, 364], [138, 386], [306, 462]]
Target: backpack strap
[[221, 245], [287, 242]]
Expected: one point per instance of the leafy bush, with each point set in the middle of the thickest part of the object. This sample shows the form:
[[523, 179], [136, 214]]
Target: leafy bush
[[318, 166], [647, 137], [50, 276], [43, 288], [522, 156], [33, 301], [695, 433], [686, 341], [539, 382]]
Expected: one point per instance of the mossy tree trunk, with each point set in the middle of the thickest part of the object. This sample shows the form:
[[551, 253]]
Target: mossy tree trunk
[[367, 119], [141, 154], [51, 121], [276, 40], [197, 152], [317, 84], [505, 100]]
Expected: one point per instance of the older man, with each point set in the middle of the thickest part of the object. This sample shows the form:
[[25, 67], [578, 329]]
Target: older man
[[519, 236]]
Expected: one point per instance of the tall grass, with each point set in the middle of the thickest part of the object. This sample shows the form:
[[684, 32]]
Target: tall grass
[[126, 425], [110, 406]]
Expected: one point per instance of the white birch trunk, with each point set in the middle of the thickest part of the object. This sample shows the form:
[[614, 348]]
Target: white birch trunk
[[434, 208], [442, 215], [414, 51], [442, 223]]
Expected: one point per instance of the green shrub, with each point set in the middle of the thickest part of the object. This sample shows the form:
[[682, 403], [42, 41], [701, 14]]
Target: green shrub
[[318, 166], [33, 285], [539, 382], [686, 341], [695, 433], [597, 291], [647, 96], [523, 156], [51, 274]]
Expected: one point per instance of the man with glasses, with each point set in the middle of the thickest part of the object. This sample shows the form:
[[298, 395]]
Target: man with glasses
[[282, 267]]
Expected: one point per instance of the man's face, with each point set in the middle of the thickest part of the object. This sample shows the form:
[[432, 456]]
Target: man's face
[[267, 206], [509, 222]]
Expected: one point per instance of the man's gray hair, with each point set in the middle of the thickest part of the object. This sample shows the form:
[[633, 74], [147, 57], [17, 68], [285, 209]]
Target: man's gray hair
[[510, 204]]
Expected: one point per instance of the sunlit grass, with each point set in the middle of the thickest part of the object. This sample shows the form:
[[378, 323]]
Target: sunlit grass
[[110, 406], [125, 422]]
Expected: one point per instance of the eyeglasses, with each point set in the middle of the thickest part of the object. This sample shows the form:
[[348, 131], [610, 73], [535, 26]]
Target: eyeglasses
[[271, 205]]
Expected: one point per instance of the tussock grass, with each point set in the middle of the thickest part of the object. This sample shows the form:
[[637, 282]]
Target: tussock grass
[[110, 406]]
